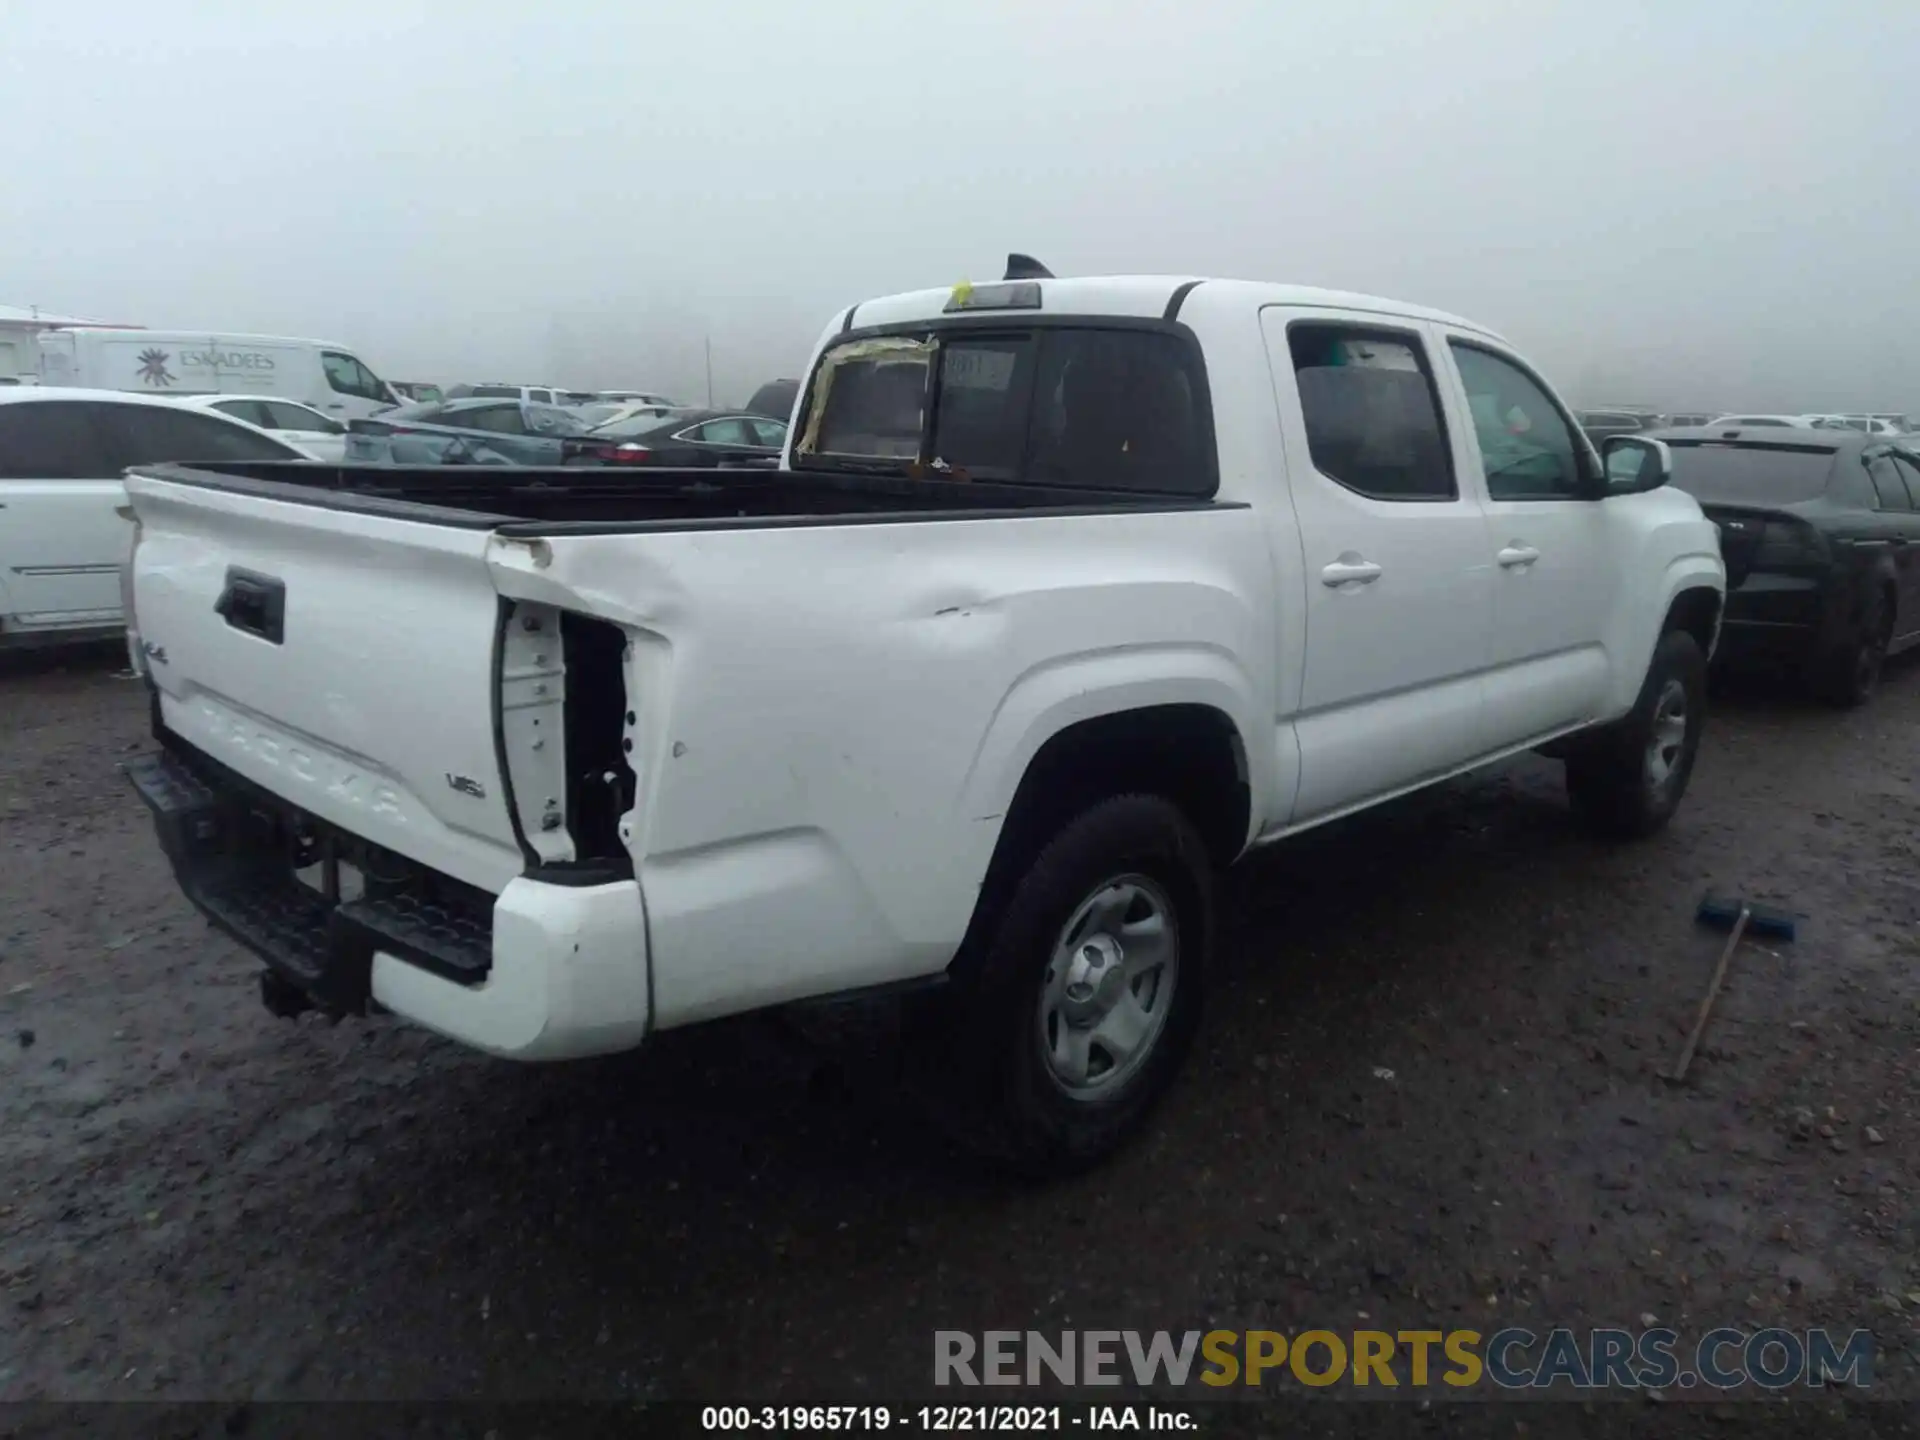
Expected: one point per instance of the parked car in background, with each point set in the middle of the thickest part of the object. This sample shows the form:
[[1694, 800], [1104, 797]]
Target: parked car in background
[[62, 540], [301, 426], [497, 390], [1768, 422], [775, 399], [319, 373], [641, 397], [416, 392], [625, 412], [1865, 424], [1820, 531], [1599, 424], [1899, 422], [687, 438], [1689, 419], [464, 432]]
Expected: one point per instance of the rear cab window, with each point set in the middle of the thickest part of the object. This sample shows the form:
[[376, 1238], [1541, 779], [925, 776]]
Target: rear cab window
[[1076, 404]]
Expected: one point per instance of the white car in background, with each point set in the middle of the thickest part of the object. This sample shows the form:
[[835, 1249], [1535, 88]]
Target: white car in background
[[607, 414], [63, 539], [1866, 424], [301, 426], [640, 397], [1797, 422]]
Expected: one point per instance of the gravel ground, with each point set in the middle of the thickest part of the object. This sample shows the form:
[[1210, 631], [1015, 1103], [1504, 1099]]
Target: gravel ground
[[1426, 1094]]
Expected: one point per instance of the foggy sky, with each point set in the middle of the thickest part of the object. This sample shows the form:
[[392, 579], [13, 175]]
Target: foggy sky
[[1687, 203]]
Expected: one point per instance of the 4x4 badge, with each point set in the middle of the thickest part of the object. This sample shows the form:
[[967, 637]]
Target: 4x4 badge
[[466, 785]]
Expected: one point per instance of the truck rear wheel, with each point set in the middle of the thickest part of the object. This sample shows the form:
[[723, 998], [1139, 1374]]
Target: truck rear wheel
[[1086, 991], [1626, 782]]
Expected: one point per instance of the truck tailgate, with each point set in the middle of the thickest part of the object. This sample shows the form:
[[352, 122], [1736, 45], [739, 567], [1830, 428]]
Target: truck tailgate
[[344, 661]]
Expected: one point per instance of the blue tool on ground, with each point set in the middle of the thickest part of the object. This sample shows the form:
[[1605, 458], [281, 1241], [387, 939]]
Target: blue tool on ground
[[1718, 912]]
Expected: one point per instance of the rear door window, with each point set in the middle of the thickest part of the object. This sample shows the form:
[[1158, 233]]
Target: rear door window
[[771, 433], [499, 419], [1371, 412], [53, 440], [1887, 485], [298, 417], [723, 432], [251, 411], [1909, 470]]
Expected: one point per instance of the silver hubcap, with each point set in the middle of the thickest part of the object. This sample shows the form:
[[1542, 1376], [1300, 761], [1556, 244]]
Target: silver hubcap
[[1109, 987], [1669, 733]]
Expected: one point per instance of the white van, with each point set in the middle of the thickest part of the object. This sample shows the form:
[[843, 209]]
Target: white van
[[328, 377]]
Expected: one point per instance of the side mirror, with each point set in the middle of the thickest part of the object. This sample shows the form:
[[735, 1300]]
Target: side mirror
[[1635, 464]]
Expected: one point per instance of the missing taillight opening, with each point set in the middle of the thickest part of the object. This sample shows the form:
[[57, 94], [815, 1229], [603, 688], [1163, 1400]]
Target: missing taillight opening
[[600, 783]]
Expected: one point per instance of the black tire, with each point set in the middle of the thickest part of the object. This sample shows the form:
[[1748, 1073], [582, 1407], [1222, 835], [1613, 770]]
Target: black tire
[[996, 1085], [1848, 675], [1612, 780]]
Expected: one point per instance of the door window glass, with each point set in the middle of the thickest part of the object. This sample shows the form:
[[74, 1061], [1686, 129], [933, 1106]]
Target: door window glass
[[151, 434], [724, 432], [1887, 484], [1909, 469], [52, 440], [253, 412], [1527, 448], [284, 416], [348, 376], [499, 419], [1371, 411]]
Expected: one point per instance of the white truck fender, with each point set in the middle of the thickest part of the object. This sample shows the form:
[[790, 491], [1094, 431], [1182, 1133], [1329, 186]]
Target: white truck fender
[[1072, 688], [1639, 626]]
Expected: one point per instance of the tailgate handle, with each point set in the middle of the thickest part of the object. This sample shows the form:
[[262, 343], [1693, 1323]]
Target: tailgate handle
[[254, 603]]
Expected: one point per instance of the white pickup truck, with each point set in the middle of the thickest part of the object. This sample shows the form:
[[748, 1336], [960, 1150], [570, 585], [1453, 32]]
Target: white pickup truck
[[1071, 592]]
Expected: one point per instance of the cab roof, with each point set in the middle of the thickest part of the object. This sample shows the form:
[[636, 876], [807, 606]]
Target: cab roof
[[1145, 297]]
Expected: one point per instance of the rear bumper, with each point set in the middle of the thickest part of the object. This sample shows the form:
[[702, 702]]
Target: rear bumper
[[539, 972], [1760, 642], [1778, 620]]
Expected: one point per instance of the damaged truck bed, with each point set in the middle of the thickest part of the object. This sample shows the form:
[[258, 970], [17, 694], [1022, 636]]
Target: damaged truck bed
[[530, 500]]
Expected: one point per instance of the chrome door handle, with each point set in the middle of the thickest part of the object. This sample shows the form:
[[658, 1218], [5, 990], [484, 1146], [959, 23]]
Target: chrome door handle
[[1349, 572], [1516, 557]]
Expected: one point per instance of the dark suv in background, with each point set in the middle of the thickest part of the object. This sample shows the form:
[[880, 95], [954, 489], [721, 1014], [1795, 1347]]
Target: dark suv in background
[[1820, 531]]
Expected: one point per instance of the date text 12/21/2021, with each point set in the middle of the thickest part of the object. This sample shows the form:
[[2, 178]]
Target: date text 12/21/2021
[[945, 1419]]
